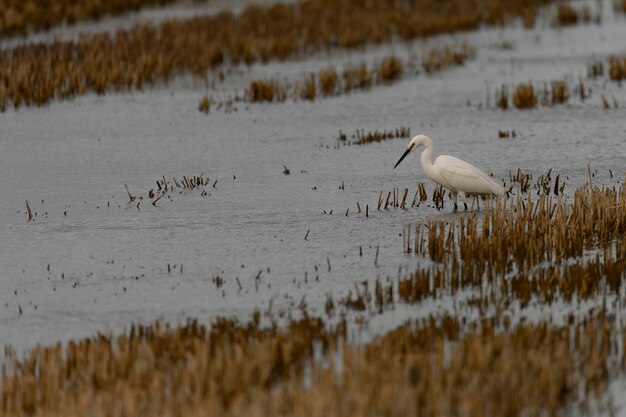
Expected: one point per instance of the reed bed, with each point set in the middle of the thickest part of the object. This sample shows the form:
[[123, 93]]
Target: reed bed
[[615, 64], [528, 96], [399, 198], [617, 68], [566, 15], [361, 137], [520, 234], [526, 249], [435, 366], [437, 59], [524, 96], [269, 91], [146, 54], [18, 18], [329, 82]]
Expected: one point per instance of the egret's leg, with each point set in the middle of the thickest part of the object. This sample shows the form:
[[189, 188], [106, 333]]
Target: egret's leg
[[454, 197], [462, 194]]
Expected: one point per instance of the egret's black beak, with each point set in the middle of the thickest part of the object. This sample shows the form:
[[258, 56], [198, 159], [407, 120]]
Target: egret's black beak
[[402, 157]]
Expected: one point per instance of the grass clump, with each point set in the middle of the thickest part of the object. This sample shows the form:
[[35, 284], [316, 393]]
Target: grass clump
[[390, 69], [205, 104], [502, 97], [328, 82], [617, 68], [437, 59], [559, 92], [357, 77], [308, 90], [524, 96], [360, 137], [566, 15], [268, 91]]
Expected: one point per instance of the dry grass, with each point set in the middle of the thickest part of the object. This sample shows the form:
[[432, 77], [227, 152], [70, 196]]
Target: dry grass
[[502, 97], [328, 81], [437, 59], [566, 15], [502, 134], [18, 18], [437, 366], [560, 92], [357, 77], [146, 54], [617, 68], [269, 91], [360, 137], [556, 92], [205, 104], [527, 249], [308, 89], [390, 69], [524, 96]]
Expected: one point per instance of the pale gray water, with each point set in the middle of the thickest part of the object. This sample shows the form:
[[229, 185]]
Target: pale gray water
[[77, 155]]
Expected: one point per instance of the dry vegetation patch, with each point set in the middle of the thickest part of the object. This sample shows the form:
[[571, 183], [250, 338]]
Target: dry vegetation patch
[[329, 82], [361, 137], [19, 17], [437, 59], [524, 96], [130, 59], [436, 366], [617, 68]]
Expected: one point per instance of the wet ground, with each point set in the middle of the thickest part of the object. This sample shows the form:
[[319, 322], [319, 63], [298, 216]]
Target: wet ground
[[93, 262]]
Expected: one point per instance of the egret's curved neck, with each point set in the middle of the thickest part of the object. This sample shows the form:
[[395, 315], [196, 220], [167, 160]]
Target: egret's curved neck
[[426, 158]]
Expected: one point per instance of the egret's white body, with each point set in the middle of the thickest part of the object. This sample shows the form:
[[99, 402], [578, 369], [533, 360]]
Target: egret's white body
[[456, 175]]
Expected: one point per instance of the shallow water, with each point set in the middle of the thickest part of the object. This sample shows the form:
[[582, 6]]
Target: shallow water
[[108, 260]]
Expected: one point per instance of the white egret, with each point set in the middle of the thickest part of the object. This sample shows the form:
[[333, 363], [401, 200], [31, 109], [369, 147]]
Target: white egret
[[452, 173]]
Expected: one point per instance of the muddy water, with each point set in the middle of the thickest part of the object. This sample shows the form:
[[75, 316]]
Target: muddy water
[[108, 260]]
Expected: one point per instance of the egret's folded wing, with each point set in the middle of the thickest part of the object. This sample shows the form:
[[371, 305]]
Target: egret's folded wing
[[465, 177]]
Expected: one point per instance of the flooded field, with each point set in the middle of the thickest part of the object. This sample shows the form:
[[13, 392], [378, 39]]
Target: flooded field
[[289, 215]]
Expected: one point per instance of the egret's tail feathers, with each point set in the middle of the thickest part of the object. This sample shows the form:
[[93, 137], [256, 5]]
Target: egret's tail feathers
[[496, 188], [499, 190]]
